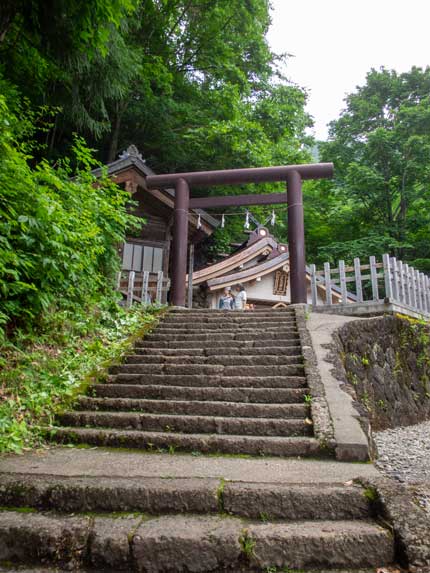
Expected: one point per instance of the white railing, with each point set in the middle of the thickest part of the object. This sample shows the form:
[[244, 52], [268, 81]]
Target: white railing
[[143, 287], [389, 281]]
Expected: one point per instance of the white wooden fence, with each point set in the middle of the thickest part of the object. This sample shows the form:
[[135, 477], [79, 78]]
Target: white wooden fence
[[389, 281], [143, 287]]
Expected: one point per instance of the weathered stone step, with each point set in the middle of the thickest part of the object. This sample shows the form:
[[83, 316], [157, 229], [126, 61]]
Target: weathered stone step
[[200, 544], [204, 443], [260, 343], [236, 351], [192, 325], [191, 424], [200, 408], [199, 312], [217, 393], [281, 381], [225, 335], [223, 359], [209, 370], [158, 496]]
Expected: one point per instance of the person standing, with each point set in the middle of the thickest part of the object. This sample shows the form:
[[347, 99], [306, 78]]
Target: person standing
[[239, 297], [226, 301]]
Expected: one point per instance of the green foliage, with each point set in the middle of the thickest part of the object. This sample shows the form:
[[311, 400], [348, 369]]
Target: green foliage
[[58, 236], [45, 371], [380, 146]]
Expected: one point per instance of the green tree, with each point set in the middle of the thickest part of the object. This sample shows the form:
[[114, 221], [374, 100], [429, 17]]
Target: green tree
[[381, 147]]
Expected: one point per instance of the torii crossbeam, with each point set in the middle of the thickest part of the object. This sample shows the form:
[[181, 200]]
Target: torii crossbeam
[[291, 174]]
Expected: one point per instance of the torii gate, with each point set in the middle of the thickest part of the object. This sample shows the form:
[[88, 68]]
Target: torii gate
[[291, 174]]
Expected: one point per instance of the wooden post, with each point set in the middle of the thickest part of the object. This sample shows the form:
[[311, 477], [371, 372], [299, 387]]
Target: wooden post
[[159, 294], [408, 285], [342, 279], [387, 277], [327, 282], [402, 282], [424, 293], [190, 276], [296, 238], [427, 291], [413, 288], [118, 280], [374, 278], [314, 285], [130, 289], [395, 281], [419, 291], [180, 242], [358, 285], [145, 281]]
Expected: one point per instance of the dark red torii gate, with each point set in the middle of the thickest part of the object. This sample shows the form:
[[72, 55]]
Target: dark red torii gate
[[291, 174]]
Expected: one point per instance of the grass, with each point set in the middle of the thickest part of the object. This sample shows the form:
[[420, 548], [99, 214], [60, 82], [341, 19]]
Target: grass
[[42, 373]]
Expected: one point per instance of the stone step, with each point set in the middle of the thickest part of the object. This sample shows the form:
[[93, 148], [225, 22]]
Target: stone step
[[226, 336], [198, 408], [204, 443], [209, 370], [214, 393], [191, 424], [223, 359], [156, 496], [278, 342], [192, 325], [217, 312], [198, 330], [281, 381], [250, 352], [178, 543]]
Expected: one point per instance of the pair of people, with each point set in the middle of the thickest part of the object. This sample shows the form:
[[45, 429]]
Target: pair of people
[[235, 300]]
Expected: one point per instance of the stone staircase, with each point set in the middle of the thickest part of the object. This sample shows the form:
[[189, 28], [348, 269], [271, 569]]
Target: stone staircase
[[205, 381], [202, 382]]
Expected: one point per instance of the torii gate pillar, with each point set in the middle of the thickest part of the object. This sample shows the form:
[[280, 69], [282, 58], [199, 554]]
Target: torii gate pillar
[[296, 238], [180, 242]]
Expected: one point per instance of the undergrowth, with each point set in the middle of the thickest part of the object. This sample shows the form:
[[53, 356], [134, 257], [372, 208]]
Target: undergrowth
[[43, 371]]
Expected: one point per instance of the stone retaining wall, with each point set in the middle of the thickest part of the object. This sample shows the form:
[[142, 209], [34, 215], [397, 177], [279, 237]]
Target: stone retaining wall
[[386, 362]]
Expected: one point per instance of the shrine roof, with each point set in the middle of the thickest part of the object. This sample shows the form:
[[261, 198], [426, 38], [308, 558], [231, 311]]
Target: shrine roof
[[132, 160]]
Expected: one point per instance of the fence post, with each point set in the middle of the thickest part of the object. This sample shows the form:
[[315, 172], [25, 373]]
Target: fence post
[[118, 280], [342, 281], [395, 279], [130, 289], [413, 288], [387, 277], [424, 293], [408, 285], [159, 287], [313, 271], [427, 292], [145, 281], [327, 282], [374, 278], [402, 282], [419, 292], [357, 274]]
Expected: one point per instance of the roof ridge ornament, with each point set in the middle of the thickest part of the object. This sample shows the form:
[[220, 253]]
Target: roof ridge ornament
[[131, 151]]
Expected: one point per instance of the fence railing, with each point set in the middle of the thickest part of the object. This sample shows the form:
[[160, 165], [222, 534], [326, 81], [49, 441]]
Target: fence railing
[[387, 281], [143, 287]]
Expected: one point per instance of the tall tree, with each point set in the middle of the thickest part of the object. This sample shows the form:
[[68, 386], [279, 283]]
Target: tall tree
[[381, 149]]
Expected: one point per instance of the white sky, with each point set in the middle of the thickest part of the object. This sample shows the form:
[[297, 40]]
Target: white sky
[[336, 42]]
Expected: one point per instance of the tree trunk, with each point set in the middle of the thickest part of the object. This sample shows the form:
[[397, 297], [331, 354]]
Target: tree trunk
[[113, 146]]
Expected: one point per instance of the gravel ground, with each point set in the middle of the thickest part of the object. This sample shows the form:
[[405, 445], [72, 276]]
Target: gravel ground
[[404, 455]]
